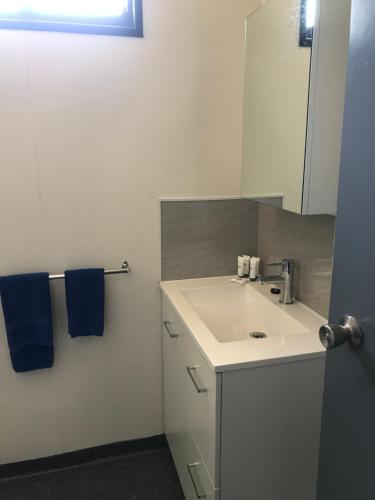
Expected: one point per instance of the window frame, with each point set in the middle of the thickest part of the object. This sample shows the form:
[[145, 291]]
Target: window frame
[[130, 25]]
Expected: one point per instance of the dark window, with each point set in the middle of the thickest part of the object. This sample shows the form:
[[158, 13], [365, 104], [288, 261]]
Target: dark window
[[102, 17]]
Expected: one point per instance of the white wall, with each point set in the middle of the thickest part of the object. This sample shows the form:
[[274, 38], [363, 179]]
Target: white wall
[[93, 129]]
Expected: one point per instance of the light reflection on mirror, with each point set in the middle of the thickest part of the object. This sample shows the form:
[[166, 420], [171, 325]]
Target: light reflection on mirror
[[310, 13]]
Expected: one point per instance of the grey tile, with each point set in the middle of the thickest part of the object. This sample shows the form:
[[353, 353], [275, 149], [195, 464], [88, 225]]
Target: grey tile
[[203, 238], [309, 241], [274, 201]]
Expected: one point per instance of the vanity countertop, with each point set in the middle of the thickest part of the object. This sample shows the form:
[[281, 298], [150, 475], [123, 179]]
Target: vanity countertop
[[206, 305]]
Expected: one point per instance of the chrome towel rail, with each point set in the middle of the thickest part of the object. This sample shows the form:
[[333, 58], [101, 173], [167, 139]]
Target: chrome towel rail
[[125, 269]]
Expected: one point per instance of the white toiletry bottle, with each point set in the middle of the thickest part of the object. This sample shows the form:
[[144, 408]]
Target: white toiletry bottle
[[254, 268], [241, 267], [246, 266]]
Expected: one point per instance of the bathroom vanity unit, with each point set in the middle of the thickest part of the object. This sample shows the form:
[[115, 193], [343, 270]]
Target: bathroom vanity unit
[[243, 387]]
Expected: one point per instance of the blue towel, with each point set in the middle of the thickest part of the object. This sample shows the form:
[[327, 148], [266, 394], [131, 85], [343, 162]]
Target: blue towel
[[84, 289], [27, 311]]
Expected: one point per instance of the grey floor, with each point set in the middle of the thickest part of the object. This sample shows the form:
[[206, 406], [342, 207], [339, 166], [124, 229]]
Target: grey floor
[[147, 475]]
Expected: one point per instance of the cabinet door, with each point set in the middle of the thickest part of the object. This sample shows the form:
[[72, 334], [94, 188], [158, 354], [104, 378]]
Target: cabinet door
[[201, 393], [174, 404], [179, 403], [197, 482], [296, 62], [270, 431]]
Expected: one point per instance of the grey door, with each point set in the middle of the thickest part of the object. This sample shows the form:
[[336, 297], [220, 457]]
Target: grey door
[[347, 457]]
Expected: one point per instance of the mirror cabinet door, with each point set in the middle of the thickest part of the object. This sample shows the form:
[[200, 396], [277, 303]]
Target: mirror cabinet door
[[296, 53]]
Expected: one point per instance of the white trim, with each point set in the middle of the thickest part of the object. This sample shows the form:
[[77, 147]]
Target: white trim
[[198, 198], [261, 196]]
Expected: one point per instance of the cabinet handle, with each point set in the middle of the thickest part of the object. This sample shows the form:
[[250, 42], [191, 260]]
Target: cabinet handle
[[191, 371], [171, 333], [190, 469]]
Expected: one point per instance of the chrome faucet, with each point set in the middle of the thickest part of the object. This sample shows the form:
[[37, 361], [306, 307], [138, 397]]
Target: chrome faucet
[[286, 278]]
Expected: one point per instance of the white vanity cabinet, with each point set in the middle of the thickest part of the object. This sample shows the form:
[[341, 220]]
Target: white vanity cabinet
[[240, 434]]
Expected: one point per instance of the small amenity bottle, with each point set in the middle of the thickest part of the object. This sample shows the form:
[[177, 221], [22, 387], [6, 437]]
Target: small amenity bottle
[[254, 268]]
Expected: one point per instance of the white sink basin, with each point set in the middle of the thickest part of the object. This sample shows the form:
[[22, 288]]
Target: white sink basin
[[237, 313], [220, 317]]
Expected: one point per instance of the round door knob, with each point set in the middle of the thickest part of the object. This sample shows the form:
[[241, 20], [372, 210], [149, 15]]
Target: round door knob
[[349, 329]]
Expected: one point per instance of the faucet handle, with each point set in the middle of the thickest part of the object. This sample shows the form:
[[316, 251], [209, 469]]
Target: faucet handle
[[281, 264], [286, 264]]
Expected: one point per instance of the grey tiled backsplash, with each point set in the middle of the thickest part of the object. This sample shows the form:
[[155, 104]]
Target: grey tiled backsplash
[[309, 241], [203, 238]]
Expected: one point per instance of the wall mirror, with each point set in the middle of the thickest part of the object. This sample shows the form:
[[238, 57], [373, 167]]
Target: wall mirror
[[296, 58]]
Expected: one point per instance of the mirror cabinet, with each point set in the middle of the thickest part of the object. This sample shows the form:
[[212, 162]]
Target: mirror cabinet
[[296, 61]]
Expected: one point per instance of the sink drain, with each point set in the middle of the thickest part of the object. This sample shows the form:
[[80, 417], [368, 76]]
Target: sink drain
[[258, 335]]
